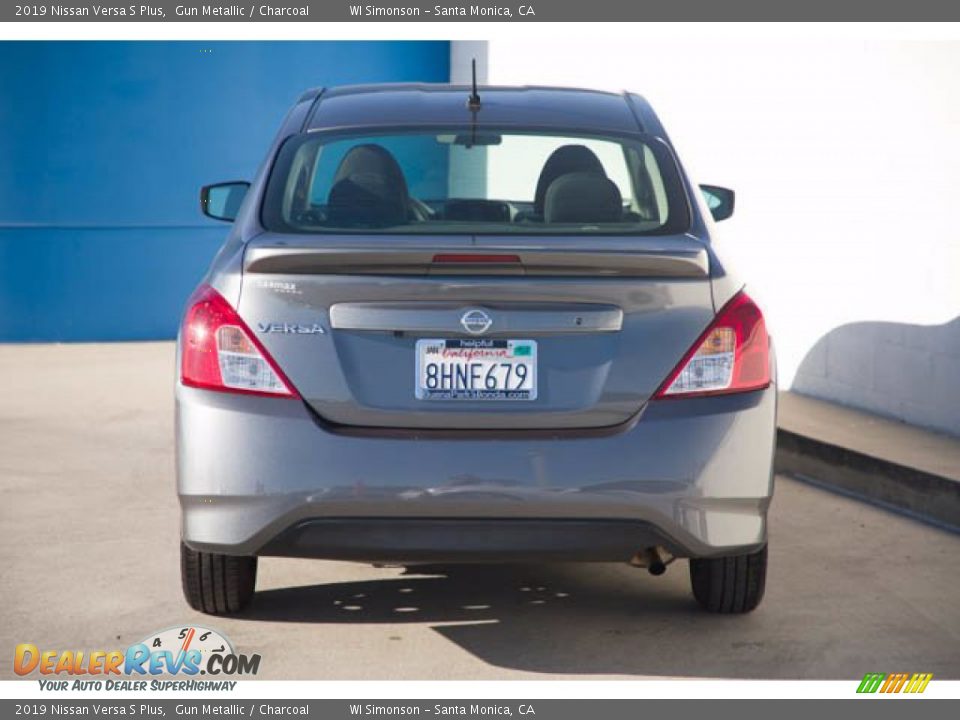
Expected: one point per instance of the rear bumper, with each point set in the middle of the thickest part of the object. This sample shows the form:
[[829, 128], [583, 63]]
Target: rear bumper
[[261, 476], [465, 540]]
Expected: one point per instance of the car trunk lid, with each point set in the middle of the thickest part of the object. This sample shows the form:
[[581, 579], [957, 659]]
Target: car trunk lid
[[600, 320]]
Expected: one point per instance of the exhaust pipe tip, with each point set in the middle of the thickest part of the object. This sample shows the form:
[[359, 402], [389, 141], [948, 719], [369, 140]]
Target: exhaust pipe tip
[[654, 559]]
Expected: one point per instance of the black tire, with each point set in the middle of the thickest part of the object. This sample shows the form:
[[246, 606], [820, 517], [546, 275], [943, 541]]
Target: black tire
[[729, 585], [217, 584]]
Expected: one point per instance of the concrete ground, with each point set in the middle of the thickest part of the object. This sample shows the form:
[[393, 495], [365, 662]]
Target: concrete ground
[[871, 435], [88, 557]]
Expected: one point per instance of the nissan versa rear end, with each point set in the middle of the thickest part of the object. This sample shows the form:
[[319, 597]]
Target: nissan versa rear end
[[451, 326]]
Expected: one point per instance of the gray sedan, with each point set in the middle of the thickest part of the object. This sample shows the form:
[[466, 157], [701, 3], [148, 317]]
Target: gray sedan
[[452, 325]]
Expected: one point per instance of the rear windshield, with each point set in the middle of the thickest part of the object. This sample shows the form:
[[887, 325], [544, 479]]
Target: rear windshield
[[470, 181]]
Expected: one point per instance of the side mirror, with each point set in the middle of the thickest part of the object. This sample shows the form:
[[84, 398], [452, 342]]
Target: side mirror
[[720, 200], [222, 200]]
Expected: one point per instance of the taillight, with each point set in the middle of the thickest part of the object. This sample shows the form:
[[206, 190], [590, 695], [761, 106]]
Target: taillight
[[731, 356], [220, 353]]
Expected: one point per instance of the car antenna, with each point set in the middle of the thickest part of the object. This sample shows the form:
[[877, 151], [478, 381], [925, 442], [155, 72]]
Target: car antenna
[[473, 105], [474, 102]]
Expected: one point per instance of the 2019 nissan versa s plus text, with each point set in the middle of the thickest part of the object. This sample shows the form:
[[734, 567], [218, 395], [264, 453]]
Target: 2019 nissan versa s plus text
[[448, 327]]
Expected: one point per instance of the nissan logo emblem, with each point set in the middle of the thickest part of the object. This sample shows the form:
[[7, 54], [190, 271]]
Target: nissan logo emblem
[[476, 322]]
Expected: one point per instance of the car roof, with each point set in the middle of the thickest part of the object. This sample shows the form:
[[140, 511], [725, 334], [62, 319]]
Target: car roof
[[399, 105]]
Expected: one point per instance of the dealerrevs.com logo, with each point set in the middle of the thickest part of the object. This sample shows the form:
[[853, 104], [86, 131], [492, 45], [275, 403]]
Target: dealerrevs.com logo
[[189, 651]]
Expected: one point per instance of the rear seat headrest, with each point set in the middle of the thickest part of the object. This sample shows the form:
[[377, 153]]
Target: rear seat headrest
[[565, 159], [583, 197], [368, 189]]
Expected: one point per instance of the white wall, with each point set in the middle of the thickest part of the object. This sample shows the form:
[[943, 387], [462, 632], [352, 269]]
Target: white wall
[[846, 159]]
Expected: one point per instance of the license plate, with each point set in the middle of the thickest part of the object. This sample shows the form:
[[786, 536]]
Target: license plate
[[474, 369]]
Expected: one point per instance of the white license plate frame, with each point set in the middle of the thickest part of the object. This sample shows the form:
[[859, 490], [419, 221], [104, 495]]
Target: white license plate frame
[[485, 353]]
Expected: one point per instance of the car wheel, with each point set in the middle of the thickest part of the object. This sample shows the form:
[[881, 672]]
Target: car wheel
[[217, 584], [732, 584]]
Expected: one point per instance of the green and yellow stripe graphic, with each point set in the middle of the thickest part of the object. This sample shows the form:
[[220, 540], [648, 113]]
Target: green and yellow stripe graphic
[[894, 682]]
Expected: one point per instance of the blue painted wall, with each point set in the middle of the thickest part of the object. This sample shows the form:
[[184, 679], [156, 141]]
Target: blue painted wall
[[103, 146]]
